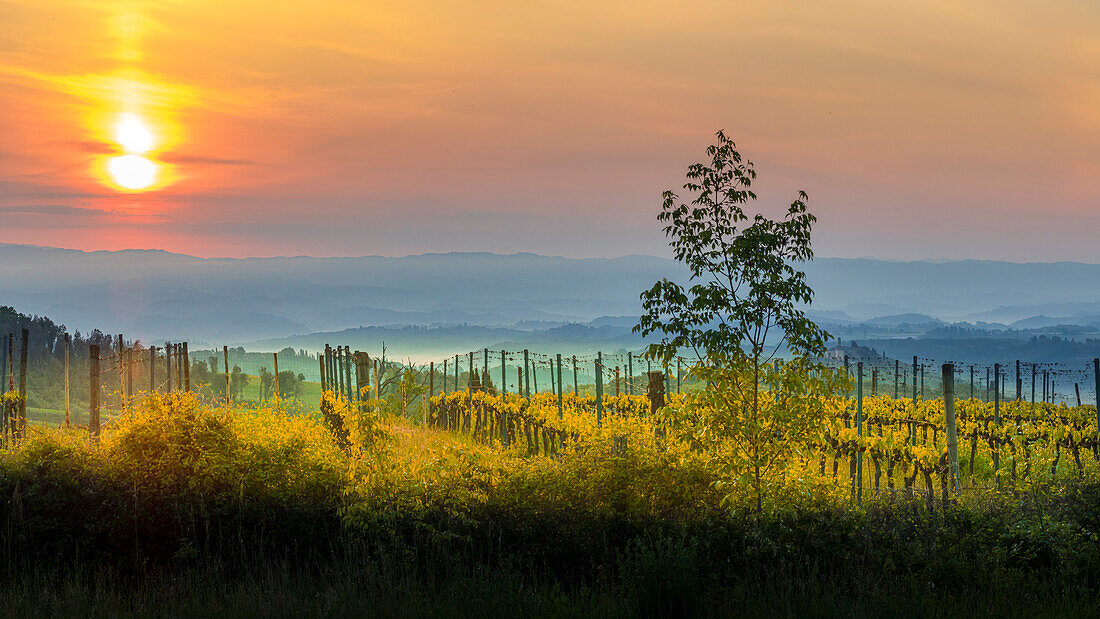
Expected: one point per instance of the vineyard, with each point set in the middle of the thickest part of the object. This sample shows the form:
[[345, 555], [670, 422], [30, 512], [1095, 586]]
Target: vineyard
[[533, 467], [532, 488], [1011, 445]]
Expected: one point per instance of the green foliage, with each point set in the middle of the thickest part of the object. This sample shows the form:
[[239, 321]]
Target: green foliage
[[761, 439], [267, 383], [238, 380], [745, 286], [756, 413], [290, 384], [362, 425]]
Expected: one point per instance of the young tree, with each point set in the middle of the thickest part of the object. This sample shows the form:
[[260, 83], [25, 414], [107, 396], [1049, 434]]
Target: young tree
[[289, 385], [739, 316], [237, 382], [267, 383]]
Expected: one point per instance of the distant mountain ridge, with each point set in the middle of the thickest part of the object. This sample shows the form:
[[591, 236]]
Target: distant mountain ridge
[[157, 295]]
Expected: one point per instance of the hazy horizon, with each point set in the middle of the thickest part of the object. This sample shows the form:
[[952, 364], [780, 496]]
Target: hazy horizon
[[932, 260]]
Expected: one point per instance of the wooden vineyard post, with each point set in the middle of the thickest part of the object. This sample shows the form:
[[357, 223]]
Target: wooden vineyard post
[[575, 389], [333, 374], [560, 388], [341, 386], [362, 374], [7, 419], [68, 346], [186, 369], [378, 369], [444, 378], [859, 432], [177, 365], [599, 389], [275, 361], [503, 392], [1019, 383], [616, 381], [337, 379], [997, 422], [655, 391], [321, 369], [225, 357], [93, 391], [485, 366], [526, 386], [1077, 390], [11, 362], [130, 373], [152, 370], [1096, 377], [457, 388], [470, 376], [347, 373], [949, 412], [553, 388], [629, 374], [912, 427], [121, 374], [874, 382], [168, 367], [23, 382], [431, 390], [333, 370], [326, 379]]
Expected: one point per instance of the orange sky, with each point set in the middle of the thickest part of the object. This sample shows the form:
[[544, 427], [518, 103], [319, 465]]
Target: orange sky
[[920, 130]]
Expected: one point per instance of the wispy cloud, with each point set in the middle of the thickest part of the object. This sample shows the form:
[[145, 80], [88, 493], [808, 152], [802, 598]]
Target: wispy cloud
[[203, 160], [56, 210]]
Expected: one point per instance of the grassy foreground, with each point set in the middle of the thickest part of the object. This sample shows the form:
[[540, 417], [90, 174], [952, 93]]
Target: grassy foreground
[[187, 510]]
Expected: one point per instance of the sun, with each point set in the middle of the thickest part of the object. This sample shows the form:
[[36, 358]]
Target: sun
[[132, 171], [132, 134]]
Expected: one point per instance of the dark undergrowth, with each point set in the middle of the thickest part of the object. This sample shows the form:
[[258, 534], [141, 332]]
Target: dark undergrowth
[[191, 513]]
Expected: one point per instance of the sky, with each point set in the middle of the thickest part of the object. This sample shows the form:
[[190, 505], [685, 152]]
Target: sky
[[924, 130]]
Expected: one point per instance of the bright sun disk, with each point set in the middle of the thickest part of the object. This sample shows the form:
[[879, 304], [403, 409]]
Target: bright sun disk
[[132, 134], [132, 171]]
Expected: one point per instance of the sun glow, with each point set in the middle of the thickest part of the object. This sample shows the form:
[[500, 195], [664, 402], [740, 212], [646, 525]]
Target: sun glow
[[132, 172], [132, 134]]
